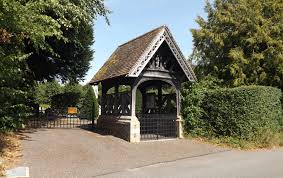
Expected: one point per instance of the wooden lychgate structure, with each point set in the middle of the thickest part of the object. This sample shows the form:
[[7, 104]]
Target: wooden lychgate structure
[[141, 82]]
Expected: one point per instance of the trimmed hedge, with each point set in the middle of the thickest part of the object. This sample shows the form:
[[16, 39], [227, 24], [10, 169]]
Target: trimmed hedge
[[249, 113], [243, 112]]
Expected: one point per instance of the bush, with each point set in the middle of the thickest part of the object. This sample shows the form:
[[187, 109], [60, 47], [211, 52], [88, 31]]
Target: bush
[[193, 95], [89, 106], [16, 93], [250, 113]]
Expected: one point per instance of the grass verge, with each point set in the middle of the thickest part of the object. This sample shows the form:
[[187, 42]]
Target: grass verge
[[266, 143], [9, 151], [281, 138]]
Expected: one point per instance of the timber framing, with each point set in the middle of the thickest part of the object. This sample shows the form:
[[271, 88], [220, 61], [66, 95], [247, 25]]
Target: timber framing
[[153, 66], [130, 58], [163, 35]]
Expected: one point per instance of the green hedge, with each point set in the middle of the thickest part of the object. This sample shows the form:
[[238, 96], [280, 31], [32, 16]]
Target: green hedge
[[249, 113]]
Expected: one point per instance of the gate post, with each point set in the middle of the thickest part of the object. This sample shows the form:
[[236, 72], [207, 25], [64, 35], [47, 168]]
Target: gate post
[[179, 121], [134, 123], [179, 125]]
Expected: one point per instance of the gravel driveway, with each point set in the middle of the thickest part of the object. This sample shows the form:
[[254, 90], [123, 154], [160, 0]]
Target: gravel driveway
[[53, 153]]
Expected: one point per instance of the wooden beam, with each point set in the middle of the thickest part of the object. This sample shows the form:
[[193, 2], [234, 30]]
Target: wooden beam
[[159, 97]]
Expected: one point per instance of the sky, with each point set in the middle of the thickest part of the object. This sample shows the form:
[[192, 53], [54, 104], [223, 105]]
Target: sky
[[131, 18]]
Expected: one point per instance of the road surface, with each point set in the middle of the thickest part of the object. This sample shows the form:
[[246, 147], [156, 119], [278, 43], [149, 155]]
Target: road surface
[[234, 164], [76, 153]]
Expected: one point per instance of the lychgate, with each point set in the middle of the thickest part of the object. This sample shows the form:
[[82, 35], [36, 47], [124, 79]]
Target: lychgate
[[141, 84]]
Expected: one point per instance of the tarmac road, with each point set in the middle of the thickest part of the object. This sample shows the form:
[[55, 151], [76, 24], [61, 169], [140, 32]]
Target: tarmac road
[[235, 164], [77, 153]]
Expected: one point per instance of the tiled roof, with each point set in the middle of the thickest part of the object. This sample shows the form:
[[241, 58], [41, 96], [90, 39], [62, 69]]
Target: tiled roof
[[125, 57]]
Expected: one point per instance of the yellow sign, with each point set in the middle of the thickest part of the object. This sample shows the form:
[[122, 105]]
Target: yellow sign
[[72, 110]]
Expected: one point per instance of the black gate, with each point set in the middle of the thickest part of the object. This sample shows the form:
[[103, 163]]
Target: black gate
[[157, 126], [59, 118]]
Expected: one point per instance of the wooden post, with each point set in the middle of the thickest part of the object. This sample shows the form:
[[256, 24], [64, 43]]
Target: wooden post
[[178, 99], [116, 99], [143, 101], [159, 98], [116, 89], [133, 100], [103, 98]]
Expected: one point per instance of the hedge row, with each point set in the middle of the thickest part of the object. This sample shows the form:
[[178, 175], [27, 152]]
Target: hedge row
[[250, 113]]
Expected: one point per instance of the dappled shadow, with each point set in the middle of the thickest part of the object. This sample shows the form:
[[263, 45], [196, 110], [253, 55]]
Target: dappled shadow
[[95, 129], [24, 134]]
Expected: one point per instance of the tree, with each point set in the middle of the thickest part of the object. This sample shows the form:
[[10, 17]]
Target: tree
[[45, 91], [70, 55], [89, 107], [241, 42], [71, 95], [70, 59], [15, 93], [31, 29], [73, 88]]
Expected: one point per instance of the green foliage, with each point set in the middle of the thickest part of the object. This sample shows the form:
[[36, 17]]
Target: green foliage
[[281, 138], [55, 96], [15, 93], [241, 42], [64, 100], [70, 56], [237, 116], [193, 95], [56, 35], [73, 87], [70, 96], [89, 107], [244, 112], [41, 40], [45, 91]]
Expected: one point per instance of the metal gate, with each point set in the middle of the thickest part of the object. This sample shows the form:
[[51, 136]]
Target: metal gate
[[157, 126], [59, 118]]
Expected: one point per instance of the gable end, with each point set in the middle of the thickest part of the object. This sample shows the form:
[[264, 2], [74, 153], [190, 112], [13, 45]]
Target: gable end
[[164, 35]]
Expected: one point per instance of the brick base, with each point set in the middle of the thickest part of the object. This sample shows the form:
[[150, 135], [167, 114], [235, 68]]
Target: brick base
[[125, 127]]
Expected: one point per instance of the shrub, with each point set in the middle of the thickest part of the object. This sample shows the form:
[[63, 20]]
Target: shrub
[[193, 95], [16, 92], [249, 113], [89, 106]]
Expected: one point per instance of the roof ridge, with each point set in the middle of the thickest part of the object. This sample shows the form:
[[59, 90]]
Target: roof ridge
[[162, 26], [180, 52]]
